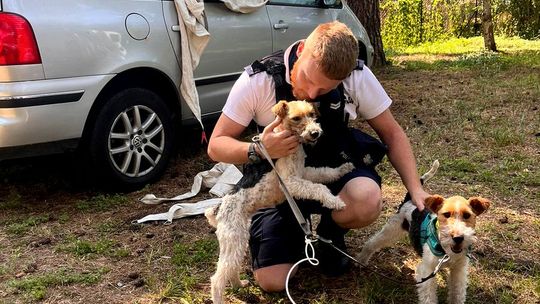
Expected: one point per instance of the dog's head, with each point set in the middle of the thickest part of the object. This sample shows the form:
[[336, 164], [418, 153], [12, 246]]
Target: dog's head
[[457, 219], [299, 117]]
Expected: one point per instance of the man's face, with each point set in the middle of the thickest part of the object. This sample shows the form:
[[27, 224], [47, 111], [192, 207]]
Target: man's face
[[307, 80]]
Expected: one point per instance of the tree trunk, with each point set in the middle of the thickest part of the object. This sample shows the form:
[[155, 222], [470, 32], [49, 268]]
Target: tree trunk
[[368, 13], [487, 27]]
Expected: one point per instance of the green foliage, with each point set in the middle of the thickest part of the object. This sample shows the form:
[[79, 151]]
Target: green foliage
[[518, 17], [412, 22]]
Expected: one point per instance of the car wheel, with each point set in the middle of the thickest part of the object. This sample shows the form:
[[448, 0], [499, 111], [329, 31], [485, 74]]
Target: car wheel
[[132, 139]]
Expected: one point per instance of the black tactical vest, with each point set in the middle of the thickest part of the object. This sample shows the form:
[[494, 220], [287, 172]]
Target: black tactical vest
[[329, 150]]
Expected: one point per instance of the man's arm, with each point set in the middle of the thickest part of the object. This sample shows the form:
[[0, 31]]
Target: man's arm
[[224, 145], [400, 154]]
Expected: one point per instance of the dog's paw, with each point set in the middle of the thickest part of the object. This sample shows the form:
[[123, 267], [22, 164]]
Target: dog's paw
[[336, 204], [211, 214], [239, 283], [346, 168], [244, 283]]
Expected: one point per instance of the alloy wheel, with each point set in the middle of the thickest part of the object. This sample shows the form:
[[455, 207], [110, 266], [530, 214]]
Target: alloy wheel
[[136, 141]]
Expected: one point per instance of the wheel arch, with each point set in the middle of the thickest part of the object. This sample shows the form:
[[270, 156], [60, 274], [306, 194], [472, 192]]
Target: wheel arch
[[143, 77]]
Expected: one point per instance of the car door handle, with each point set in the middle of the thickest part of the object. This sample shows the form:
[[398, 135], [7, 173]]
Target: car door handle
[[175, 28], [281, 26]]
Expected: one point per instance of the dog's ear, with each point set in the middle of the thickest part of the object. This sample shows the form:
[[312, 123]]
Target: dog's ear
[[479, 204], [281, 109], [434, 203]]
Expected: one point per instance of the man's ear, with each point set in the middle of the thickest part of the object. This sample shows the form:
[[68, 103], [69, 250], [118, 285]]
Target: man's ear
[[280, 109], [434, 203], [479, 204], [300, 48]]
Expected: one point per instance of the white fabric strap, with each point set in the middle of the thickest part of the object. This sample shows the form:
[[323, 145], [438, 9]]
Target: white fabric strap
[[221, 180], [180, 210]]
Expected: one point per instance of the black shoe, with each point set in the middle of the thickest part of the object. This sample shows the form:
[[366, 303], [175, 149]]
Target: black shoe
[[331, 262]]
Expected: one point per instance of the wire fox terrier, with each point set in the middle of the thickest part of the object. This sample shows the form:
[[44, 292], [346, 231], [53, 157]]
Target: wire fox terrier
[[445, 228], [233, 217]]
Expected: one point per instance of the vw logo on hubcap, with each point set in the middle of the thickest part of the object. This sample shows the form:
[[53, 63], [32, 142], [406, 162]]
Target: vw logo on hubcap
[[137, 141]]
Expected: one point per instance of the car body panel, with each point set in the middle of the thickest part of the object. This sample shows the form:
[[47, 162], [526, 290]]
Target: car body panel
[[52, 122], [23, 72], [297, 21]]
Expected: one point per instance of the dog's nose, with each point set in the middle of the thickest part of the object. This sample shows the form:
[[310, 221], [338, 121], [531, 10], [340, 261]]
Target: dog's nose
[[315, 134], [458, 239]]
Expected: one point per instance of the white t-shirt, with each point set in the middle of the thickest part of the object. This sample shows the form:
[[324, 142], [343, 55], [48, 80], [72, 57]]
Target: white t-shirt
[[252, 97]]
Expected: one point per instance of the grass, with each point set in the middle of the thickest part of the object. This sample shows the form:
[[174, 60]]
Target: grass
[[190, 263], [86, 248], [11, 201], [197, 254], [101, 202], [35, 287], [21, 226], [469, 53], [462, 46]]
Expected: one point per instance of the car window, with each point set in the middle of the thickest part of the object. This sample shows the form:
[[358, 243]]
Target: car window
[[295, 2], [307, 3]]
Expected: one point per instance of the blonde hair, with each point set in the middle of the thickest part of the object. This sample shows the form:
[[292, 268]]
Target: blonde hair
[[334, 48]]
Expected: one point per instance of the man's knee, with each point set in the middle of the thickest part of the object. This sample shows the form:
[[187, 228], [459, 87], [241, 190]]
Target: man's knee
[[372, 205], [272, 278], [363, 198]]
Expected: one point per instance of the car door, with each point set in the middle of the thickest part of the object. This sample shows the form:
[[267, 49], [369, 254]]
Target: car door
[[236, 40], [292, 20]]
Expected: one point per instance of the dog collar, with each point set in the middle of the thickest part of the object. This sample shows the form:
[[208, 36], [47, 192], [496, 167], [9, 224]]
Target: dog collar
[[429, 235]]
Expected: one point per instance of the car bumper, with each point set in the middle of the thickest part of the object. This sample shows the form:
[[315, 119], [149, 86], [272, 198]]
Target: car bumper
[[42, 111]]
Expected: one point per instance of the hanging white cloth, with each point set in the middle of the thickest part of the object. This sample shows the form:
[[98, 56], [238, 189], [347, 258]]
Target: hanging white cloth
[[221, 180], [193, 39]]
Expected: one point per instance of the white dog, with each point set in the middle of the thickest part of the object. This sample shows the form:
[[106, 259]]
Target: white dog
[[232, 218], [445, 228]]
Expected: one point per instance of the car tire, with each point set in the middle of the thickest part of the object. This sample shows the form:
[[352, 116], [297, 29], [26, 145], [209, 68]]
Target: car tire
[[132, 139]]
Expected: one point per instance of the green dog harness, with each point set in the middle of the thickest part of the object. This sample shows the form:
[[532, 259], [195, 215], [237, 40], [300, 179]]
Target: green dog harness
[[428, 234]]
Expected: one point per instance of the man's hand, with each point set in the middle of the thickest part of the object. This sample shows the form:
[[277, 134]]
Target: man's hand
[[418, 198], [278, 144]]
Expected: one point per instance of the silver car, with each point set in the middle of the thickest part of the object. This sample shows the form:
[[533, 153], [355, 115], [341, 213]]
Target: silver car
[[103, 77]]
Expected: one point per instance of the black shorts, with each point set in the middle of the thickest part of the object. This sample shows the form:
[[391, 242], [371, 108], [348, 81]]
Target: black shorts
[[276, 236]]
